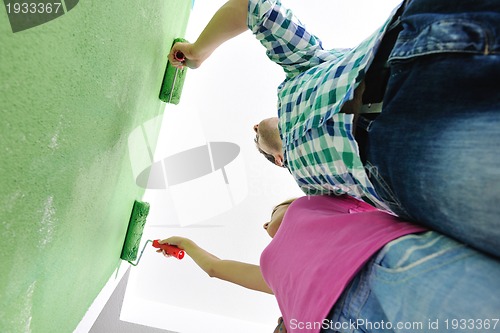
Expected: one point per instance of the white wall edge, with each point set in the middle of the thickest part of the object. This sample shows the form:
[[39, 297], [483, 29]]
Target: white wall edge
[[102, 298]]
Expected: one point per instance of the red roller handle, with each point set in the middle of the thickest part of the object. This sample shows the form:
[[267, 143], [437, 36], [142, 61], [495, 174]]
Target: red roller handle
[[171, 250]]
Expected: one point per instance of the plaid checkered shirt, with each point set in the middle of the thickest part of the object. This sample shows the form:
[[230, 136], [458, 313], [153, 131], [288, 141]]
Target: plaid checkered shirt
[[319, 148]]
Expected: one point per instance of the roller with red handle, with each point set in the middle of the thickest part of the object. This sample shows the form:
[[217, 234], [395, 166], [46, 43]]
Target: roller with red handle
[[170, 250]]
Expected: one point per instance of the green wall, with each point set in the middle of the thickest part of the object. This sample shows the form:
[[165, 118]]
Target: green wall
[[71, 91]]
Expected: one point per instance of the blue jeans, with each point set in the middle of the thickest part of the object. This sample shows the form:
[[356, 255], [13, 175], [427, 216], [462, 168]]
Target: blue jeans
[[421, 283], [436, 145]]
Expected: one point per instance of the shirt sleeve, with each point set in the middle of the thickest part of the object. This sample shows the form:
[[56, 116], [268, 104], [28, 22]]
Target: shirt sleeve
[[286, 39]]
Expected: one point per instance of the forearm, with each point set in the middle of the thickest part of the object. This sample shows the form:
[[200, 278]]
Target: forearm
[[240, 273], [204, 259], [228, 22], [243, 274]]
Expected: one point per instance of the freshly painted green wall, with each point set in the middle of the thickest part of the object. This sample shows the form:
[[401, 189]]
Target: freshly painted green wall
[[71, 92]]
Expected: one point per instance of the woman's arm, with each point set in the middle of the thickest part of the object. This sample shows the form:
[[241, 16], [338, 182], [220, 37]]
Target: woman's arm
[[243, 274], [228, 22]]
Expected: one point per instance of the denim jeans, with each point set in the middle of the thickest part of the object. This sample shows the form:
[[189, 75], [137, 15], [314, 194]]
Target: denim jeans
[[421, 283], [436, 144]]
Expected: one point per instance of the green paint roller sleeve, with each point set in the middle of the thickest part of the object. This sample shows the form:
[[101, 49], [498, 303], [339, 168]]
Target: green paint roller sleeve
[[136, 224], [173, 81]]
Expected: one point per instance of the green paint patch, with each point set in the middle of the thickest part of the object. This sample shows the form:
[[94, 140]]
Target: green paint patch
[[73, 89]]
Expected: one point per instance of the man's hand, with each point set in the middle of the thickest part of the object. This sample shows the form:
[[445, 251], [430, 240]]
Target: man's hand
[[228, 22], [191, 58]]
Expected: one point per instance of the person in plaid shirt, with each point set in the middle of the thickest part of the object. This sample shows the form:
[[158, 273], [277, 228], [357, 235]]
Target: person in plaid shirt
[[410, 164]]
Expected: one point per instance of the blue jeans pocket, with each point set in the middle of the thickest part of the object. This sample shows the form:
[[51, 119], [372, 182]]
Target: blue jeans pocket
[[429, 277], [412, 255], [453, 35]]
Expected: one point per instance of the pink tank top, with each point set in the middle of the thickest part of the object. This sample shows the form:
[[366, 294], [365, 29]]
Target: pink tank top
[[320, 246]]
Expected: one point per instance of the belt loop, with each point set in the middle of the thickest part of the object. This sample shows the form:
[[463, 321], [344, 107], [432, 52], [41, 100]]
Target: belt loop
[[364, 123]]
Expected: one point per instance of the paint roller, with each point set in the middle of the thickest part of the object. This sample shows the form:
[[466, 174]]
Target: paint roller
[[135, 228], [173, 80]]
